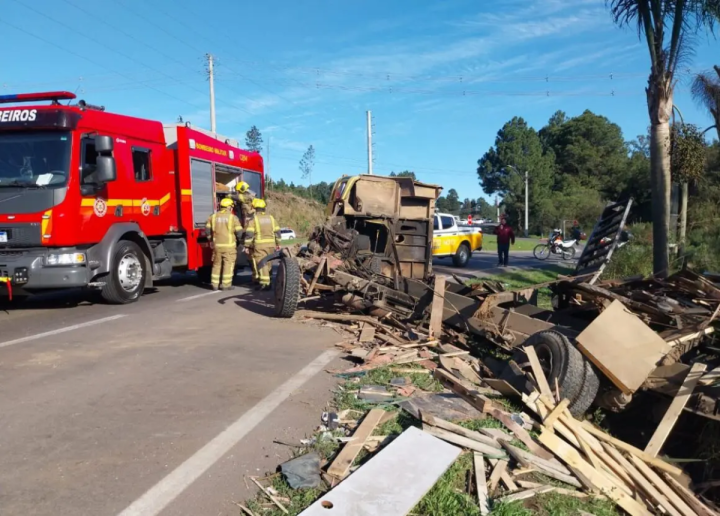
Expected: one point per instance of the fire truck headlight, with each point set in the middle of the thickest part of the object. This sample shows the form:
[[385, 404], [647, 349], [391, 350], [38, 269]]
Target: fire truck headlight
[[65, 259]]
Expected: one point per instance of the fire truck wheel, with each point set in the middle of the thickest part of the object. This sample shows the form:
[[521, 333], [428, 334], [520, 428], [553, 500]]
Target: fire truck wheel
[[126, 281], [462, 256], [287, 287]]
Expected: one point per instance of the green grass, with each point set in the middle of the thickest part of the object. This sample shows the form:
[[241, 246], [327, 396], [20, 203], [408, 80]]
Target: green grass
[[293, 241], [523, 278], [521, 244]]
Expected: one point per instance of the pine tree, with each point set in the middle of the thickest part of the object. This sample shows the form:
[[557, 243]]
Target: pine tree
[[254, 140]]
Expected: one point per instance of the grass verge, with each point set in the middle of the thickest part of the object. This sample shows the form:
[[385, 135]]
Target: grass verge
[[521, 244], [523, 278]]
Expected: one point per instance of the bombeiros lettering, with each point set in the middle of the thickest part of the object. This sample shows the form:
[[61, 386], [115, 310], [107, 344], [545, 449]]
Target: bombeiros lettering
[[18, 115]]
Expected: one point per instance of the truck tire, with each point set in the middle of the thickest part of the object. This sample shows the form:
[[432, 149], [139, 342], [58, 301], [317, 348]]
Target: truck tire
[[562, 361], [287, 287], [462, 255], [125, 282]]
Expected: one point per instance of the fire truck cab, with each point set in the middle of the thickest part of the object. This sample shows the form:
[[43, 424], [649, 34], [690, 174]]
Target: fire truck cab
[[107, 201]]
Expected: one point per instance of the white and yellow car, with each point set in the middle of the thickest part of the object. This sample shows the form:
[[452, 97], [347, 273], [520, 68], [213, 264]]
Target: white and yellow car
[[456, 242]]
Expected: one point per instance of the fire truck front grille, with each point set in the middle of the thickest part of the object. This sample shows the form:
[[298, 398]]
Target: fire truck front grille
[[21, 235]]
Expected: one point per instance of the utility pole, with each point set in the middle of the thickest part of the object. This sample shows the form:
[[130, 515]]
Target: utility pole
[[369, 142], [526, 204], [267, 168], [211, 76]]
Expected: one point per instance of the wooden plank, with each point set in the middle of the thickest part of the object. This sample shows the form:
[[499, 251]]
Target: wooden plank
[[549, 421], [507, 479], [678, 404], [436, 311], [524, 495], [502, 387], [660, 464], [622, 346], [377, 488], [367, 334], [340, 467], [540, 378], [710, 377], [481, 484], [472, 396], [457, 429], [530, 461], [643, 483], [520, 433], [658, 482], [470, 444], [496, 474], [571, 457], [270, 496], [700, 508], [316, 276]]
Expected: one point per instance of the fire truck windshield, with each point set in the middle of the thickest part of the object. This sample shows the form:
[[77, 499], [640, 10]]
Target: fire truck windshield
[[34, 159]]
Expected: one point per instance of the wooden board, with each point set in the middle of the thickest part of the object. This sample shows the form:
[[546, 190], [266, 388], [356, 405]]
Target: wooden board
[[653, 477], [392, 482], [540, 378], [436, 311], [460, 430], [502, 387], [497, 472], [481, 484], [622, 346], [341, 465], [368, 333], [660, 464], [572, 457], [678, 404], [520, 433], [465, 442]]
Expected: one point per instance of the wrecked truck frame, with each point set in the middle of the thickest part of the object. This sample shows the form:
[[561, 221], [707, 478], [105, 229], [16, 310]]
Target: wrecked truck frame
[[374, 254]]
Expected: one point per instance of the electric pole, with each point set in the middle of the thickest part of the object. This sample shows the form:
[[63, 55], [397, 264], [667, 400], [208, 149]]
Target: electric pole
[[369, 142], [211, 76], [267, 171], [526, 204]]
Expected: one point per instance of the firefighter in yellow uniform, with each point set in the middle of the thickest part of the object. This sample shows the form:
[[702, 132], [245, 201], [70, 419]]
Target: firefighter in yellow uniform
[[224, 231], [262, 237], [244, 197]]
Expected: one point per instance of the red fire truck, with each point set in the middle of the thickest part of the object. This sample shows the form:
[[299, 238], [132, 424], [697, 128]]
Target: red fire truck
[[106, 201]]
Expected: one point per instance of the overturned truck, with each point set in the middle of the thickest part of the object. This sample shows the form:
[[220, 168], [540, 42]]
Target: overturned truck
[[600, 343]]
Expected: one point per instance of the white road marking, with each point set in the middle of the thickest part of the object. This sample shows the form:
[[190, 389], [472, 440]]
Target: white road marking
[[199, 295], [164, 492], [60, 330]]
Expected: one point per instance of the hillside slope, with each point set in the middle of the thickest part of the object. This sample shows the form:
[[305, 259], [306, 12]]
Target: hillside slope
[[296, 213]]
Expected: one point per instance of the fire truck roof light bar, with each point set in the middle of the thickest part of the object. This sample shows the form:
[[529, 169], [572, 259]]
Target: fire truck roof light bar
[[35, 97]]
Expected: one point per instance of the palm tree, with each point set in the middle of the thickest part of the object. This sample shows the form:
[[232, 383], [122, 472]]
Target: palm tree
[[668, 26], [706, 91]]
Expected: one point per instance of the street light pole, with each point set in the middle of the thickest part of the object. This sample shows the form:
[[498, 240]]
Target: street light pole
[[527, 195]]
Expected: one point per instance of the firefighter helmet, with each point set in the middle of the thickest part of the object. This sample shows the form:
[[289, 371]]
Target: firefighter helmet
[[242, 187], [259, 204], [227, 202]]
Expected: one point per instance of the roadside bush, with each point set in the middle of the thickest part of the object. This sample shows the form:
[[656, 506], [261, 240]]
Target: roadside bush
[[634, 258]]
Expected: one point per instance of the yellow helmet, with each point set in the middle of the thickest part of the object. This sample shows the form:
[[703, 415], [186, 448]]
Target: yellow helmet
[[259, 204], [242, 187], [226, 202]]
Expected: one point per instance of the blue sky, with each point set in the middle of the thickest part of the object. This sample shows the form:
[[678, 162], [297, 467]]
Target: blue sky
[[440, 77]]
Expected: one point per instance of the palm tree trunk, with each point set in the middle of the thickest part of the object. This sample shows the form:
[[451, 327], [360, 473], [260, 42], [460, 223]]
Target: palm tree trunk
[[660, 106], [683, 218]]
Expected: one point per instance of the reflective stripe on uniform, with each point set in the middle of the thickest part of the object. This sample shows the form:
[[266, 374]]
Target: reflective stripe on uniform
[[265, 229]]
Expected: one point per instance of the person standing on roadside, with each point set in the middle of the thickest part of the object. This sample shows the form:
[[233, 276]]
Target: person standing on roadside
[[505, 237]]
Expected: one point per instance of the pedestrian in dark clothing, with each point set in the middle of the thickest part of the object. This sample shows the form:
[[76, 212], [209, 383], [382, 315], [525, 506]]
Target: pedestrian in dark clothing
[[505, 237]]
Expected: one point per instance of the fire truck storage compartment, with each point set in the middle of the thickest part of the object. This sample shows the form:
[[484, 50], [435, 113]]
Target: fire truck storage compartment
[[202, 190]]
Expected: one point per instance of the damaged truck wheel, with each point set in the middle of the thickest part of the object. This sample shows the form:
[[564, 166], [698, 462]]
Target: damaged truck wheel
[[287, 287], [561, 361]]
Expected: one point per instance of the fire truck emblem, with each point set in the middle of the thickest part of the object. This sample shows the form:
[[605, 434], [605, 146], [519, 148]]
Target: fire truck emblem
[[100, 207], [145, 207]]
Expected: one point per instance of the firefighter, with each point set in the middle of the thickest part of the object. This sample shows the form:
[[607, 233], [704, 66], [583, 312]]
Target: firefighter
[[262, 237], [224, 231], [244, 197]]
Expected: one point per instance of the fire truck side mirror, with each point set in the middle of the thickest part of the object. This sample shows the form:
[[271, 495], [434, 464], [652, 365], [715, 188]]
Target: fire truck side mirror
[[103, 144], [106, 170]]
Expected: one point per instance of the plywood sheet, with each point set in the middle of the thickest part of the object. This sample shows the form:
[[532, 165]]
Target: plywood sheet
[[622, 346], [392, 482]]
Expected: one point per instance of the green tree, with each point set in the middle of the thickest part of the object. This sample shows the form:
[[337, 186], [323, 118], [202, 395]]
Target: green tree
[[254, 140], [706, 91], [518, 148], [668, 26], [453, 202], [485, 210], [404, 173], [687, 153], [590, 149]]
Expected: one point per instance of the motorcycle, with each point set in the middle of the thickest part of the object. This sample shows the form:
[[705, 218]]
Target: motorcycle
[[556, 245]]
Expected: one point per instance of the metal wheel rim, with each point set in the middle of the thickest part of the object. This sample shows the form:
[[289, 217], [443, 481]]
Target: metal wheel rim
[[463, 255], [129, 272], [541, 252]]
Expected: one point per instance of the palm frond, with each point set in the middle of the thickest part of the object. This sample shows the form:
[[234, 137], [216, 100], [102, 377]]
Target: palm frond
[[706, 90]]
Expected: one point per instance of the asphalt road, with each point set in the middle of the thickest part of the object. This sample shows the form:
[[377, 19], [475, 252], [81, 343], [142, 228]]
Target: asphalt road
[[484, 263], [159, 407]]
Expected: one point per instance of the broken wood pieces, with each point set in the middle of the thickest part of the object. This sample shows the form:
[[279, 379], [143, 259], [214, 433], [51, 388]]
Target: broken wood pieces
[[340, 467]]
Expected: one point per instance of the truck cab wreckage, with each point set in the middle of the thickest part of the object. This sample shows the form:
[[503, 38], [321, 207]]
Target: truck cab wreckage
[[602, 342]]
